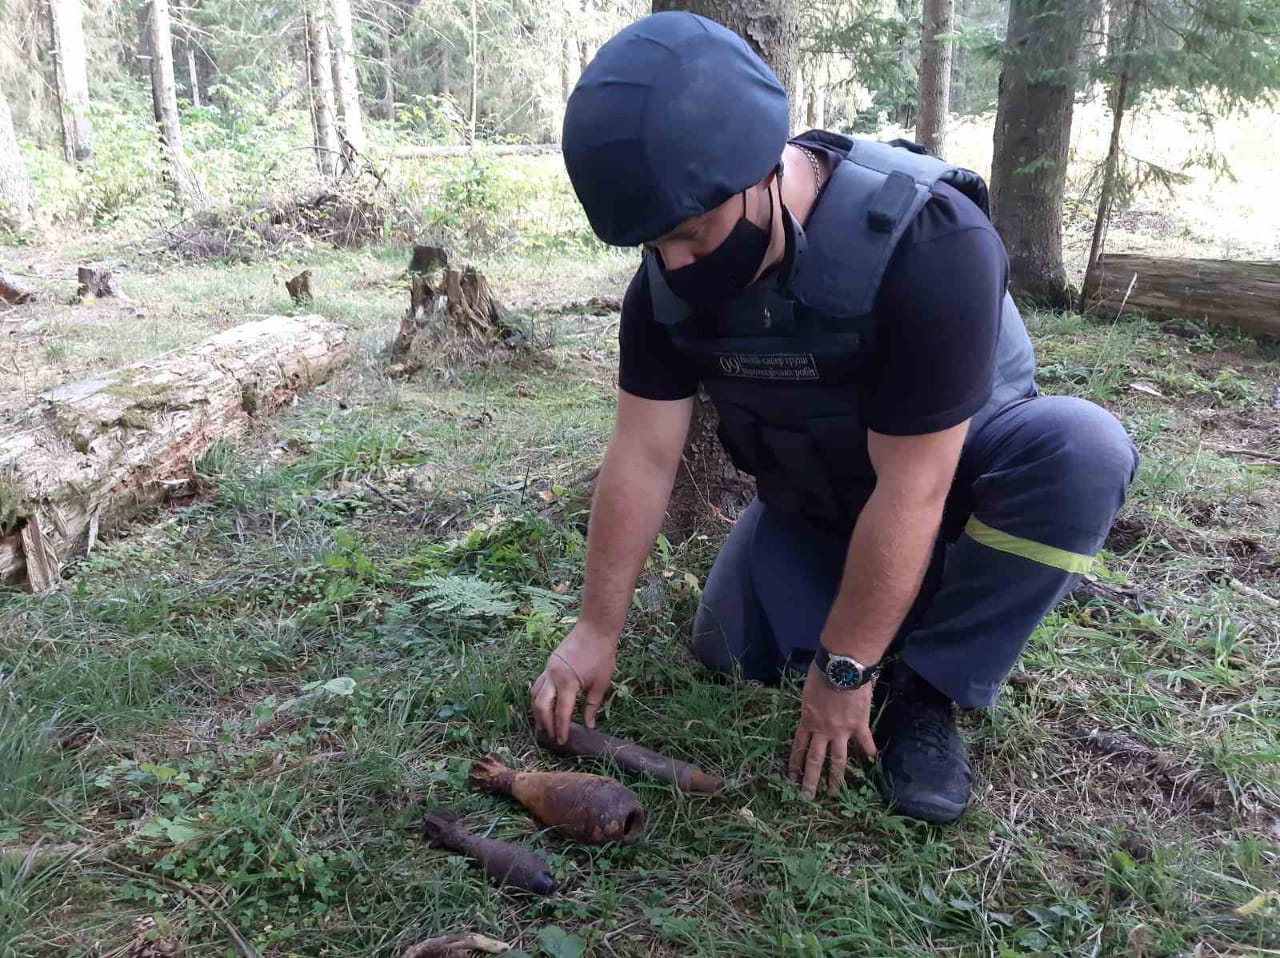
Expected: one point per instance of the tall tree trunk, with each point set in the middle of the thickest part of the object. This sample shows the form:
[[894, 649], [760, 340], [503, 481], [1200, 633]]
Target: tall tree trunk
[[388, 99], [818, 97], [323, 109], [71, 78], [475, 73], [1113, 19], [1111, 168], [801, 84], [570, 54], [1032, 136], [193, 77], [960, 60], [904, 112], [585, 51], [772, 27], [344, 63], [16, 202], [935, 74], [708, 490], [164, 100]]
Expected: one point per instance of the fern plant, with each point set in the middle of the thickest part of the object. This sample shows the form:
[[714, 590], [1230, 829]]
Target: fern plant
[[464, 597]]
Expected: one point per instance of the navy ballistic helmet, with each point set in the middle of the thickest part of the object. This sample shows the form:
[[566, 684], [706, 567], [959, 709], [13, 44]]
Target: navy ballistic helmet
[[673, 116]]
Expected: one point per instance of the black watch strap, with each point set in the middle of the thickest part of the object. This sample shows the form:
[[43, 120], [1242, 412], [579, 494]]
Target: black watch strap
[[852, 676]]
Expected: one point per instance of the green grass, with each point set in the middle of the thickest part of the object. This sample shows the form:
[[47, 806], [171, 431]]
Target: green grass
[[174, 710]]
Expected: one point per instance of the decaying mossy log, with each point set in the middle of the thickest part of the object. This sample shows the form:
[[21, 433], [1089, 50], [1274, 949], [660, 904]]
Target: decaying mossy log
[[13, 291], [90, 454], [1236, 293]]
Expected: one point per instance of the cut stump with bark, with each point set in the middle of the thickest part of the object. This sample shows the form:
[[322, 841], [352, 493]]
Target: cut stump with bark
[[91, 454], [1236, 293], [96, 283], [709, 491], [427, 259], [453, 316], [300, 287]]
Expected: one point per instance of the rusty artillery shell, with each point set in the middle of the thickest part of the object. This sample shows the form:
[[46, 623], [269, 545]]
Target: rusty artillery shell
[[588, 808], [504, 862], [633, 758]]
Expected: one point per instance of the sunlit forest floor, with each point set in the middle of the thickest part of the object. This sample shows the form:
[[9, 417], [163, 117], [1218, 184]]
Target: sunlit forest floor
[[177, 759]]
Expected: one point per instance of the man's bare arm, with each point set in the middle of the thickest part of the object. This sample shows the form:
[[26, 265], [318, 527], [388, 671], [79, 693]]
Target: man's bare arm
[[893, 540], [626, 513]]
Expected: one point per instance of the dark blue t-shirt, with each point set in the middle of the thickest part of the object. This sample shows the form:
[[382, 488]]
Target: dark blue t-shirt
[[937, 318]]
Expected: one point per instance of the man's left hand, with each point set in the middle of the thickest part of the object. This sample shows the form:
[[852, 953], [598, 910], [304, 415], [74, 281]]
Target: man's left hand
[[829, 719]]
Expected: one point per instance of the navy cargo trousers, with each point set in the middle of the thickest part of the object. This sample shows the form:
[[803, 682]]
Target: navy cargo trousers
[[1036, 490]]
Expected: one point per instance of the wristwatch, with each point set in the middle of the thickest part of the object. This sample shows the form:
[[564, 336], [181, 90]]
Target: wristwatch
[[842, 672]]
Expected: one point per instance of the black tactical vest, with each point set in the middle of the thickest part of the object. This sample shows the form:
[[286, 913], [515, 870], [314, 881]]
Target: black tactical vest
[[783, 361]]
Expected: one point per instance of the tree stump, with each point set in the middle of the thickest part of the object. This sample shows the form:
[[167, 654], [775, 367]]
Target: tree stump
[[427, 259], [91, 454], [709, 492], [300, 287], [453, 317], [96, 283]]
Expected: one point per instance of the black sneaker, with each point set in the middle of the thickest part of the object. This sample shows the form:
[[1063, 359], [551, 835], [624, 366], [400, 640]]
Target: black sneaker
[[923, 769]]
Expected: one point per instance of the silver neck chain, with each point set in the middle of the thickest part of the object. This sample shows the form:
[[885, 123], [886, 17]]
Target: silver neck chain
[[817, 170]]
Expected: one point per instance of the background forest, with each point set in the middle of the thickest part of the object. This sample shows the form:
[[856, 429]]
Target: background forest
[[268, 96]]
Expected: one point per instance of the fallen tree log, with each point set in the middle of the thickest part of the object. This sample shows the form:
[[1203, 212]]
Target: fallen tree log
[[91, 454], [1236, 293], [14, 291], [480, 149]]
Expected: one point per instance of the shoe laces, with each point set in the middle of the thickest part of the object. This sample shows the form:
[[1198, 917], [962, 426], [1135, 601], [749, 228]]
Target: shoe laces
[[932, 723]]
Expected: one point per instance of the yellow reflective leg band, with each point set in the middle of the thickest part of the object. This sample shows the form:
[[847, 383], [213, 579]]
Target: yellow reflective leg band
[[982, 533]]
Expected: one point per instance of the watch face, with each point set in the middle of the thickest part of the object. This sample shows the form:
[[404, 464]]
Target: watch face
[[844, 672]]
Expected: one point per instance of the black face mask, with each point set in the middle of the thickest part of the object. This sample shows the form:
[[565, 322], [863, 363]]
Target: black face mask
[[728, 269]]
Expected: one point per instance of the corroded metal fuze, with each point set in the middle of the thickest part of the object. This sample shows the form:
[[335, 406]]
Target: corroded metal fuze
[[504, 862], [588, 808], [634, 758]]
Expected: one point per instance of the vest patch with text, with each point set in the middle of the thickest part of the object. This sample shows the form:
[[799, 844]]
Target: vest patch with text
[[772, 367]]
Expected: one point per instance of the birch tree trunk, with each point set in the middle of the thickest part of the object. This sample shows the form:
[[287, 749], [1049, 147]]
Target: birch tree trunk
[[935, 74], [344, 72], [71, 78], [164, 100], [323, 110], [16, 201]]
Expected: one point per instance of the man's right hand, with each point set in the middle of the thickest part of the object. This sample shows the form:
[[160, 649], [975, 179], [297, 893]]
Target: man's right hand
[[583, 665]]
